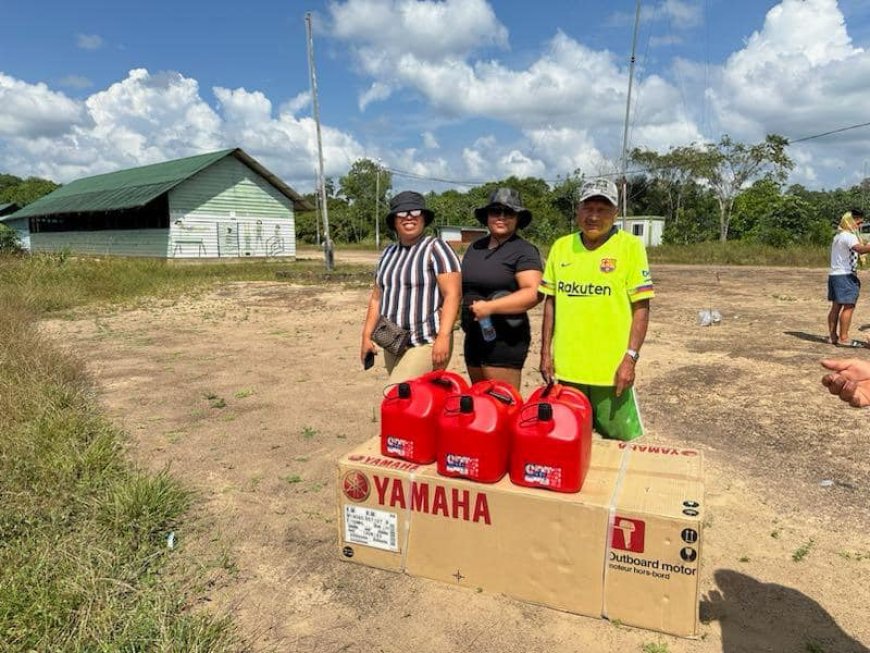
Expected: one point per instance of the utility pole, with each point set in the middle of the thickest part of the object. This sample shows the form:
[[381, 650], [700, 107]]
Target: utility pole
[[328, 251], [627, 112], [378, 207]]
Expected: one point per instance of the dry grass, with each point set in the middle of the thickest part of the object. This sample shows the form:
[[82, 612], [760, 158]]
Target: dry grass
[[84, 562]]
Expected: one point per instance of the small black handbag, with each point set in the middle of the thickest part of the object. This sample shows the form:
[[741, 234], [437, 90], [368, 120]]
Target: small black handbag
[[391, 336]]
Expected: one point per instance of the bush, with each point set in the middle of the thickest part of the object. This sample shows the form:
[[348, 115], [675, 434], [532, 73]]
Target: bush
[[9, 242]]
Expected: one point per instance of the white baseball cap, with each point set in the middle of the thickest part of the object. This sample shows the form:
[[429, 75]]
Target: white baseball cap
[[600, 188]]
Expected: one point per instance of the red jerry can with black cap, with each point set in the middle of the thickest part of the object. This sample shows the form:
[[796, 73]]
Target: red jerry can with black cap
[[475, 432], [552, 440], [409, 415]]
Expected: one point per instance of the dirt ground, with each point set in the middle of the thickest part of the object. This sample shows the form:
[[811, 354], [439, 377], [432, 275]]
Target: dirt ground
[[251, 392]]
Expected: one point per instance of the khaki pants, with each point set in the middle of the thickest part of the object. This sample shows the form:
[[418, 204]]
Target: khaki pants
[[414, 362]]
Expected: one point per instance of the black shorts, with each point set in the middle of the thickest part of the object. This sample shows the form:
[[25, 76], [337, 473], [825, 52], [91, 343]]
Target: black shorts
[[509, 349]]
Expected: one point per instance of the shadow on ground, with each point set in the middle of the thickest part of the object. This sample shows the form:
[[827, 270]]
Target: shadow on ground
[[810, 337], [756, 616]]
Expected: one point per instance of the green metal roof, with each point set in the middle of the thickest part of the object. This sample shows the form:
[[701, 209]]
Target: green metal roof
[[8, 207], [134, 187]]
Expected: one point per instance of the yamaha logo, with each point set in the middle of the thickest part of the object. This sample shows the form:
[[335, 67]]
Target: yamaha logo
[[355, 486]]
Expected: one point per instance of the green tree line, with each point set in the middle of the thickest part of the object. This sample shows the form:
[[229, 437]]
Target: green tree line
[[15, 190], [706, 191]]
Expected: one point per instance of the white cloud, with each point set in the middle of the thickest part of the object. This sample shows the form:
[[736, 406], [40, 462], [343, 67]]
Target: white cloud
[[410, 160], [567, 84], [428, 30], [521, 165], [384, 32], [680, 14], [429, 141], [798, 76], [799, 73], [566, 149], [28, 110], [296, 104], [147, 118], [660, 41], [285, 144], [376, 92], [89, 41], [475, 164]]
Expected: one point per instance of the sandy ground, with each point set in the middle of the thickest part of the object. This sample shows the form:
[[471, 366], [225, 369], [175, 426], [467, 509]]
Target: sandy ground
[[251, 392]]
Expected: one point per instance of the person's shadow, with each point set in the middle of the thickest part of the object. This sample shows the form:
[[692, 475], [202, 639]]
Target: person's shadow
[[810, 337], [756, 616]]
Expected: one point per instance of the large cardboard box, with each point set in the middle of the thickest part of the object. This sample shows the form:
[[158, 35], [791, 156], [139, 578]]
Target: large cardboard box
[[627, 547]]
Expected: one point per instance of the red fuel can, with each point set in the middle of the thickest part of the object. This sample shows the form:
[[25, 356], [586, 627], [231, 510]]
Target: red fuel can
[[409, 415], [474, 440], [552, 440]]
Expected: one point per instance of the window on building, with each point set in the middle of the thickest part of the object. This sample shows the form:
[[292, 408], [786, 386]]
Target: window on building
[[637, 229], [154, 215]]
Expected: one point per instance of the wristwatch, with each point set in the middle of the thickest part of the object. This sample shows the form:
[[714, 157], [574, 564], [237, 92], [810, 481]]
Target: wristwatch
[[633, 354]]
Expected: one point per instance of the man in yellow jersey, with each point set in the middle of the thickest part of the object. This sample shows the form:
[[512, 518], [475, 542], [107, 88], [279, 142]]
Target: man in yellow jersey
[[597, 289]]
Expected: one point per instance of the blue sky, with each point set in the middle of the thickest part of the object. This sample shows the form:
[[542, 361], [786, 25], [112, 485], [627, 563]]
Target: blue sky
[[463, 90]]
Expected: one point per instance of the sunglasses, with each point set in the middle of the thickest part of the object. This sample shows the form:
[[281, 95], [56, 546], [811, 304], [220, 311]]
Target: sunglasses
[[501, 213], [416, 213]]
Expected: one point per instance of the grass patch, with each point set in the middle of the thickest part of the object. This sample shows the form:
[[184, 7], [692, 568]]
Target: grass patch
[[84, 561], [216, 401], [655, 647], [802, 551], [57, 282]]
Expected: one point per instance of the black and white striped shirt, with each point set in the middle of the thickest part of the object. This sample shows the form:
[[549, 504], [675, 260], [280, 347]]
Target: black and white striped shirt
[[406, 277]]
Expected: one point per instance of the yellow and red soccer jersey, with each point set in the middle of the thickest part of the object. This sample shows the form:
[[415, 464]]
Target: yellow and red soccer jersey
[[594, 291]]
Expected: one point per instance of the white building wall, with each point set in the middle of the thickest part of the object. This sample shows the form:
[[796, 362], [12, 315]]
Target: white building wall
[[230, 211], [652, 229], [217, 236]]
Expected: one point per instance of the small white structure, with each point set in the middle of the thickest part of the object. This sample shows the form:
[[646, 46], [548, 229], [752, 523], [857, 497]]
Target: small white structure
[[649, 228], [461, 235]]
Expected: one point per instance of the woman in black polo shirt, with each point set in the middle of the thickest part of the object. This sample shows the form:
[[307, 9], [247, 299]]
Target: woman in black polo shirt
[[501, 273]]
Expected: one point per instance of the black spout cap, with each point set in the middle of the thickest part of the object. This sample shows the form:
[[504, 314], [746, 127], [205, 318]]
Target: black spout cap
[[466, 404], [545, 412], [404, 390]]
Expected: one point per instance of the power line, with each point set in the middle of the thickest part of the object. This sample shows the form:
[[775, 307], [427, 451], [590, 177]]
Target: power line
[[455, 182], [828, 133]]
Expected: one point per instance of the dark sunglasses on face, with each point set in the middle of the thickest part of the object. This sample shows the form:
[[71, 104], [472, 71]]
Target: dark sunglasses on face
[[416, 213], [501, 213]]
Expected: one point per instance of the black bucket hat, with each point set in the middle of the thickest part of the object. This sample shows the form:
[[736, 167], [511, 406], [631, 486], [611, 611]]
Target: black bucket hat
[[511, 199], [408, 200]]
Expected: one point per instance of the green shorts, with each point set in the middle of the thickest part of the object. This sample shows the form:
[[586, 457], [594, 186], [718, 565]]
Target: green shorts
[[613, 417]]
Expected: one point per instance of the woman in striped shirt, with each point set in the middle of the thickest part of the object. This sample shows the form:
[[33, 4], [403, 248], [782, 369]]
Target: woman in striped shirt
[[417, 286]]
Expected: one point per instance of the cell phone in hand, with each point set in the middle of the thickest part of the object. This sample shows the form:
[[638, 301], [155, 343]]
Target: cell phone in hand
[[369, 360]]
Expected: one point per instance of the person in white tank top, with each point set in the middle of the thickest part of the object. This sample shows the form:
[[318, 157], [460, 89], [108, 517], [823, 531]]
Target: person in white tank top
[[843, 282]]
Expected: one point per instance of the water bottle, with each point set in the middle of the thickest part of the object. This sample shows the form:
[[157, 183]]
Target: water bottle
[[487, 328]]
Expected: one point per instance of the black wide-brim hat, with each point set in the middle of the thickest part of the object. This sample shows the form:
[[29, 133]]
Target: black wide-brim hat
[[408, 200], [505, 197]]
